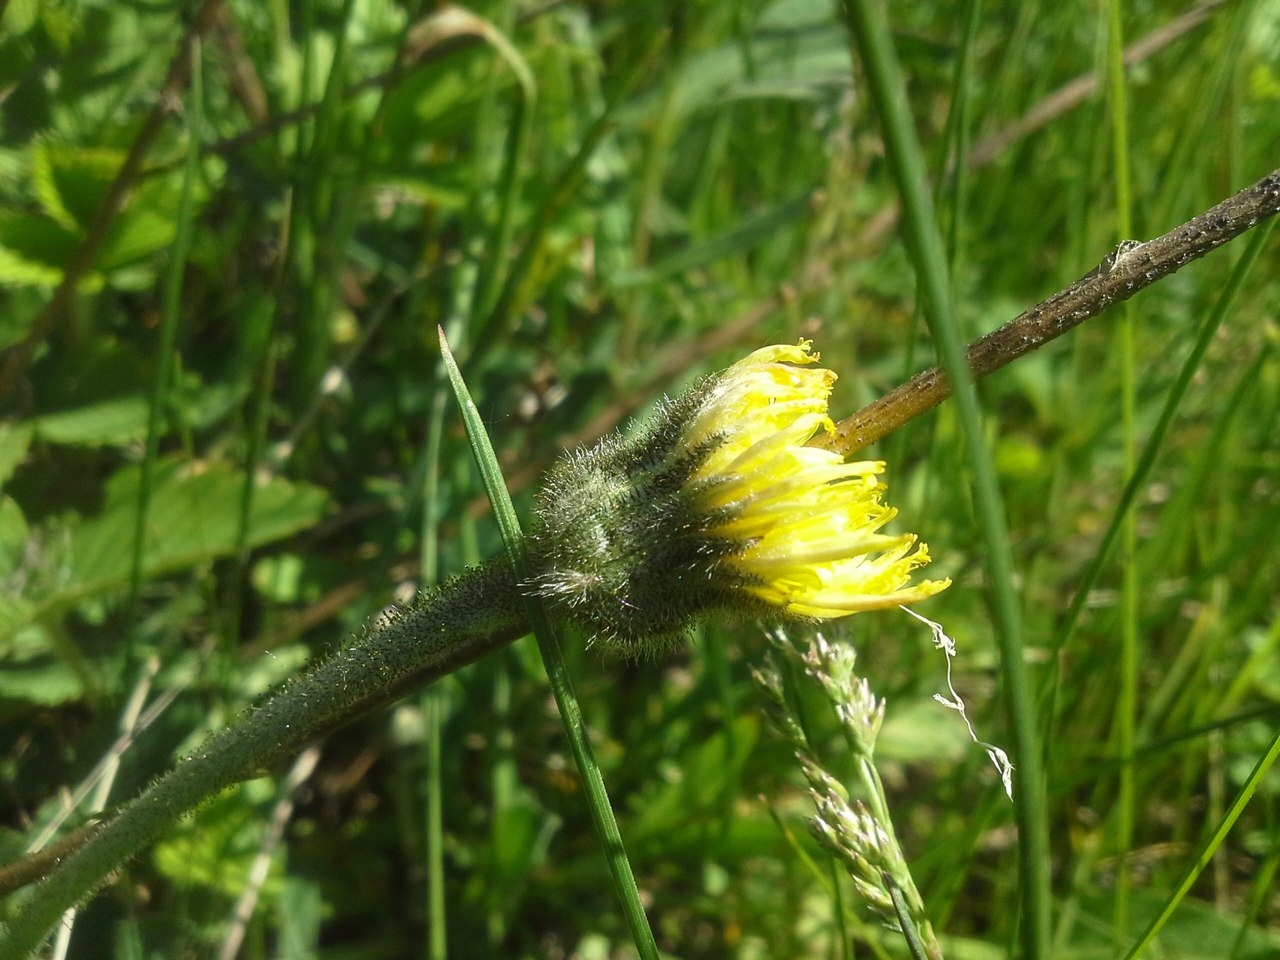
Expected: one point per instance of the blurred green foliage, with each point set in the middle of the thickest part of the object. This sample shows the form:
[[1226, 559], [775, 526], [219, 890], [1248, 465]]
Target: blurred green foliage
[[371, 169]]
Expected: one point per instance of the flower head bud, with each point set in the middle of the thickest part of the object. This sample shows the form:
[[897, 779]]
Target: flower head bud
[[718, 502]]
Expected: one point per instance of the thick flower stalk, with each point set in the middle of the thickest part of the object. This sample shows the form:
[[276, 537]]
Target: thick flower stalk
[[719, 502], [443, 629]]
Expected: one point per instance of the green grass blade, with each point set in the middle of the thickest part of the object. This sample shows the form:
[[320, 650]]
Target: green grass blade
[[1228, 820], [172, 305], [909, 931], [1158, 433], [884, 79], [466, 280], [561, 193], [1126, 707], [548, 644], [958, 130], [433, 709]]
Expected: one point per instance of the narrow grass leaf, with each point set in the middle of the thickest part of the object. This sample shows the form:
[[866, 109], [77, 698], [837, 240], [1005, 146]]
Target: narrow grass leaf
[[570, 712], [1173, 401], [1228, 820], [168, 333]]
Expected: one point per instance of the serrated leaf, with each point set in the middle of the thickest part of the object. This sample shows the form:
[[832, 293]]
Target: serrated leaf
[[193, 517], [15, 438], [70, 182], [33, 250], [109, 423], [13, 535], [44, 681]]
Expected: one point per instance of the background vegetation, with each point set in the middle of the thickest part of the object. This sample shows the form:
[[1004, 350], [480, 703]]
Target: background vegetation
[[235, 446]]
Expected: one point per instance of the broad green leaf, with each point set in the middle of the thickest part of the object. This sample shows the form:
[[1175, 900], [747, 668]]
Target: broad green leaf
[[38, 667], [1197, 931], [215, 849], [794, 55], [279, 578], [742, 237], [123, 420], [301, 908], [13, 167], [33, 250], [70, 185], [70, 182], [13, 536], [110, 423], [922, 731], [708, 768], [194, 516], [15, 612], [150, 221], [522, 832], [260, 675], [15, 438], [42, 680]]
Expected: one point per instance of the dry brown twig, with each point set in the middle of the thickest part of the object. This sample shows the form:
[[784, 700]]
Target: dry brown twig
[[1131, 267]]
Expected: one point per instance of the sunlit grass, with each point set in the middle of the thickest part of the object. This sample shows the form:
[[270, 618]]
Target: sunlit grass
[[663, 191]]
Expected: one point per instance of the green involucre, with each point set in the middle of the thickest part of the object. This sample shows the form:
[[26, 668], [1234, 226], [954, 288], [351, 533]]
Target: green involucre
[[623, 548]]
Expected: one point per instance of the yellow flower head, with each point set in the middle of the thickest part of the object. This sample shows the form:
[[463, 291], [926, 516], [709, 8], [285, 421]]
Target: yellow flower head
[[807, 521], [718, 502]]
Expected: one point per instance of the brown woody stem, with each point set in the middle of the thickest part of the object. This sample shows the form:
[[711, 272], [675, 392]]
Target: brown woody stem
[[1131, 267]]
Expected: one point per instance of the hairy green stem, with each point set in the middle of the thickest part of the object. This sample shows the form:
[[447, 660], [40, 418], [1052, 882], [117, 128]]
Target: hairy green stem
[[443, 629]]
